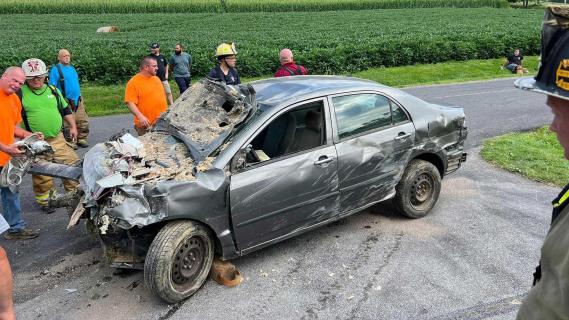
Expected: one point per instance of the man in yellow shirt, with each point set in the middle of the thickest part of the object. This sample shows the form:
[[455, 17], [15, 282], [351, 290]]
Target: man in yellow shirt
[[145, 96]]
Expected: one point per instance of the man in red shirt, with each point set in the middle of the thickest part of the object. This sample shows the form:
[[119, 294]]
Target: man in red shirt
[[10, 118], [288, 67]]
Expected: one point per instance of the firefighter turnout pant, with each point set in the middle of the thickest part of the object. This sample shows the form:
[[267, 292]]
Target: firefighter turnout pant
[[63, 154], [82, 121]]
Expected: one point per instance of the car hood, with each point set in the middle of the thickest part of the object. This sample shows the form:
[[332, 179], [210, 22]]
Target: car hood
[[206, 115]]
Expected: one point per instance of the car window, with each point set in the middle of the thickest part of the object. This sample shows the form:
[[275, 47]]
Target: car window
[[398, 114], [299, 129], [361, 112]]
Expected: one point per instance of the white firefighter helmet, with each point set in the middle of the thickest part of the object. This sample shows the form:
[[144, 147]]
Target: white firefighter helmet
[[34, 67]]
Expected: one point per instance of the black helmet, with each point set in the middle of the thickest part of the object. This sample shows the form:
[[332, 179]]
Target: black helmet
[[553, 75]]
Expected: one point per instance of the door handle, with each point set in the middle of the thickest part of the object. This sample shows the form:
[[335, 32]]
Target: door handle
[[402, 135], [323, 160]]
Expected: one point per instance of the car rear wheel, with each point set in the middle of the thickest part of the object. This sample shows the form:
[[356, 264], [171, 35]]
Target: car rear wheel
[[178, 260], [418, 190]]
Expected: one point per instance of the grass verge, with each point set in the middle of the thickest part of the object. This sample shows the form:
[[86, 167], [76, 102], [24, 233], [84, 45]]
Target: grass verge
[[536, 155], [456, 71], [107, 100]]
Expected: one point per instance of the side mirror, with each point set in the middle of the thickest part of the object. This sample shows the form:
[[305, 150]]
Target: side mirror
[[239, 160]]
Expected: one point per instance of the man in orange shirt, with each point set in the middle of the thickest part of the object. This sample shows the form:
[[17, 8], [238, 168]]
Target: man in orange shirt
[[10, 117], [145, 96]]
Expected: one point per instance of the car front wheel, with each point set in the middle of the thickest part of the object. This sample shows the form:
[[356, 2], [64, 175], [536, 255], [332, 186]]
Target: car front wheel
[[178, 260], [418, 190]]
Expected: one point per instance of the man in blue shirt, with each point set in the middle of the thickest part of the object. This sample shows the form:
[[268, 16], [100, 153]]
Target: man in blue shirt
[[64, 76]]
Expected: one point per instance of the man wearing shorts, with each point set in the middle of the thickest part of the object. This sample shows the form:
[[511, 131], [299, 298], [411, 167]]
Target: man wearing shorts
[[162, 72]]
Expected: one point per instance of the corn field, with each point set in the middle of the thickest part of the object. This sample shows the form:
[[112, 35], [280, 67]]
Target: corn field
[[218, 6], [329, 42]]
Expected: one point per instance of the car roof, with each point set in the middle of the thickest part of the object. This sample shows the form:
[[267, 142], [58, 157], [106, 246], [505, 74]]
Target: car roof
[[276, 91]]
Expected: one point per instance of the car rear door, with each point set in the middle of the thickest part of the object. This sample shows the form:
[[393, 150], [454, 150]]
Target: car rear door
[[374, 137], [294, 183]]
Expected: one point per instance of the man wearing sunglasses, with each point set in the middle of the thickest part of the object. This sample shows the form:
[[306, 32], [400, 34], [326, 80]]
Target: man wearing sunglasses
[[225, 71]]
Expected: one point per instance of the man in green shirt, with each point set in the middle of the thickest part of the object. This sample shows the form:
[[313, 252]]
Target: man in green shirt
[[549, 297], [43, 110]]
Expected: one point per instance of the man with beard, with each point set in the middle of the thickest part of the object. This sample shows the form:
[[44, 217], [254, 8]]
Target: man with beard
[[181, 62], [44, 109]]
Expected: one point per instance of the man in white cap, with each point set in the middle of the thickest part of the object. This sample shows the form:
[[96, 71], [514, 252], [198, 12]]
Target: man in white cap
[[549, 297], [43, 110]]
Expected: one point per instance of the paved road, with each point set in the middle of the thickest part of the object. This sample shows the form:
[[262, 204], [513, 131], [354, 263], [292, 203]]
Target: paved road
[[471, 258]]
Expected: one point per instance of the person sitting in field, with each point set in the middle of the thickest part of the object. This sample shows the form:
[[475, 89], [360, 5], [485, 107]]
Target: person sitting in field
[[514, 63]]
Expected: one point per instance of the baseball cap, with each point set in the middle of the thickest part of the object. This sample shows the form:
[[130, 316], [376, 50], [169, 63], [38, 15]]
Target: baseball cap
[[154, 45]]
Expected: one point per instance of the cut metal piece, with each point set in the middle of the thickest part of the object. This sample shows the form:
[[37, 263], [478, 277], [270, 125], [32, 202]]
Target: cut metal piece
[[79, 210], [13, 172], [56, 170]]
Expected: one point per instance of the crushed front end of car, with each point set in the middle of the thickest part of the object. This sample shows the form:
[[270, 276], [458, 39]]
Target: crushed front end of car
[[133, 186]]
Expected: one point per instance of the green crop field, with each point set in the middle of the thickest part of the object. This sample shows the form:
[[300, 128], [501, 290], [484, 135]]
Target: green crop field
[[179, 6], [326, 42]]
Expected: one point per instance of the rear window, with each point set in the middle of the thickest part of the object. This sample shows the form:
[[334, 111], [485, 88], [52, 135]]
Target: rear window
[[361, 112]]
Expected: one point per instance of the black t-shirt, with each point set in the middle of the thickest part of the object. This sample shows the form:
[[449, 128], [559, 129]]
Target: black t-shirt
[[232, 76], [162, 65], [515, 59]]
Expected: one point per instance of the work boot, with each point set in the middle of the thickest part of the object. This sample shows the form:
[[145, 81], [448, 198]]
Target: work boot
[[82, 143], [23, 234], [47, 209]]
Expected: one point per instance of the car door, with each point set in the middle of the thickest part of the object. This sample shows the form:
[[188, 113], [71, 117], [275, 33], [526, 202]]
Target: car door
[[374, 137], [290, 182]]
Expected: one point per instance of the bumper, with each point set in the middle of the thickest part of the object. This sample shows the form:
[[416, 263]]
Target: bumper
[[454, 161]]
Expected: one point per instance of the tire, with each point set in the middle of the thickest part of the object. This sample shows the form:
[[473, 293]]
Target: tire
[[178, 260], [418, 190]]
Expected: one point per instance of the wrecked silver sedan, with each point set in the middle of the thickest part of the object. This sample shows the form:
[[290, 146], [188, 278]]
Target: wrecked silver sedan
[[229, 170]]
